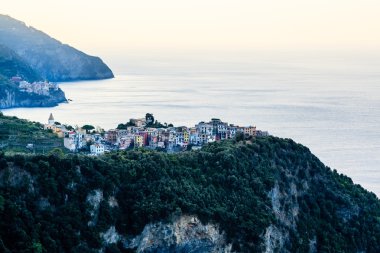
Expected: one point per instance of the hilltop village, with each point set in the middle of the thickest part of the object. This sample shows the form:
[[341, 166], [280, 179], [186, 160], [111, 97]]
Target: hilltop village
[[148, 133]]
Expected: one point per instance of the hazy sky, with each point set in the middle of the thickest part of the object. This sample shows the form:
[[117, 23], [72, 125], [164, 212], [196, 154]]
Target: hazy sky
[[104, 27]]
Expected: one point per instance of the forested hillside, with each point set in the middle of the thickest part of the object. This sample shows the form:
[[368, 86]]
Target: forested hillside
[[13, 65], [264, 195]]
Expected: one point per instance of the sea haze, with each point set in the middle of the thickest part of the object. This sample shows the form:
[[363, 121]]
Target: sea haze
[[330, 104]]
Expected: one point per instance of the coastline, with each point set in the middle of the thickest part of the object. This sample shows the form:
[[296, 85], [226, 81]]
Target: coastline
[[17, 99]]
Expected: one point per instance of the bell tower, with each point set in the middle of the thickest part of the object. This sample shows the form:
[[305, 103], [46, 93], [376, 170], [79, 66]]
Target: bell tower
[[51, 119]]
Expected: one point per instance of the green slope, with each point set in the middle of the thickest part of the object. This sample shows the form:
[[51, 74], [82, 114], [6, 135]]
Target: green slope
[[16, 134]]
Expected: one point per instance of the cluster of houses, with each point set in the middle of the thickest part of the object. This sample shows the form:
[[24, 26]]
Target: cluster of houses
[[142, 133], [41, 88]]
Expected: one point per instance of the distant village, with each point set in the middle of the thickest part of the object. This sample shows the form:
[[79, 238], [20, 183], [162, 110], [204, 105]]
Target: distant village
[[40, 88], [148, 133]]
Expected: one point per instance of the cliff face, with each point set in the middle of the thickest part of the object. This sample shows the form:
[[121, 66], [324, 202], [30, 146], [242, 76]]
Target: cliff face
[[51, 59], [11, 97], [183, 234]]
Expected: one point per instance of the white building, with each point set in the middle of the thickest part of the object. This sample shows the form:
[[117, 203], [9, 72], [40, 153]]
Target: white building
[[51, 120], [139, 122], [51, 123], [73, 141], [41, 88], [205, 131], [97, 149]]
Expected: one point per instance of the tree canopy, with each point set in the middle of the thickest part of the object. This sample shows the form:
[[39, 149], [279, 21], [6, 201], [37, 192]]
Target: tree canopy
[[44, 198]]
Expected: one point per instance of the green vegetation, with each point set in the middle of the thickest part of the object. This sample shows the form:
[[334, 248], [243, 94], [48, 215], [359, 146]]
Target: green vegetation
[[126, 125], [44, 207], [88, 128], [16, 134], [12, 65], [150, 122]]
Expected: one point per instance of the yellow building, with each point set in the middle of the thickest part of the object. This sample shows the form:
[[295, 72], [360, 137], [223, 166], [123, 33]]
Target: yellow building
[[186, 137], [139, 141]]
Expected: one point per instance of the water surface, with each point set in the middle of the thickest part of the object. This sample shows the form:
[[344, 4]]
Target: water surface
[[333, 107]]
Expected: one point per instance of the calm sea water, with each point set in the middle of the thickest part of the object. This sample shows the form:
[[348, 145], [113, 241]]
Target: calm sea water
[[330, 105]]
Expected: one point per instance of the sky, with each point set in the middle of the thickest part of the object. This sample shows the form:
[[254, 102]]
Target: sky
[[117, 27]]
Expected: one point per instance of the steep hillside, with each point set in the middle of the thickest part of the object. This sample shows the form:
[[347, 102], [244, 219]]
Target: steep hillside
[[10, 95], [51, 59], [13, 65], [257, 195], [16, 134]]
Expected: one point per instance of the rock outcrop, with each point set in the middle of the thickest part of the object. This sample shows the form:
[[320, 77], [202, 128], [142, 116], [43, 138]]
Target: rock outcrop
[[11, 97], [184, 234]]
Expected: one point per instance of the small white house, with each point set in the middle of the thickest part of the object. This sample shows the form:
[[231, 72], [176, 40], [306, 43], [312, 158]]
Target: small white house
[[97, 149]]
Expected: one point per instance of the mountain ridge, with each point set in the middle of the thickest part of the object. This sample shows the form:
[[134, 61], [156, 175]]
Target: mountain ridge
[[51, 59], [11, 96], [33, 55], [13, 65]]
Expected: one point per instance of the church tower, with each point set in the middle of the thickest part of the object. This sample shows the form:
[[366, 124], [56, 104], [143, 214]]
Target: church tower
[[51, 119]]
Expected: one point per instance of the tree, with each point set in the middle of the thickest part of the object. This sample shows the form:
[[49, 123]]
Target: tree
[[68, 127], [89, 143], [57, 152], [88, 128], [121, 126], [37, 247], [239, 136], [130, 123], [149, 119]]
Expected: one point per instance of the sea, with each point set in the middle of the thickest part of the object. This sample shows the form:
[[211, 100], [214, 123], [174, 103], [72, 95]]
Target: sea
[[328, 102]]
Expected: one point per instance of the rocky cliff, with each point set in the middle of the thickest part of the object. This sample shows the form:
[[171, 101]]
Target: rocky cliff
[[11, 97], [48, 57], [182, 234]]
